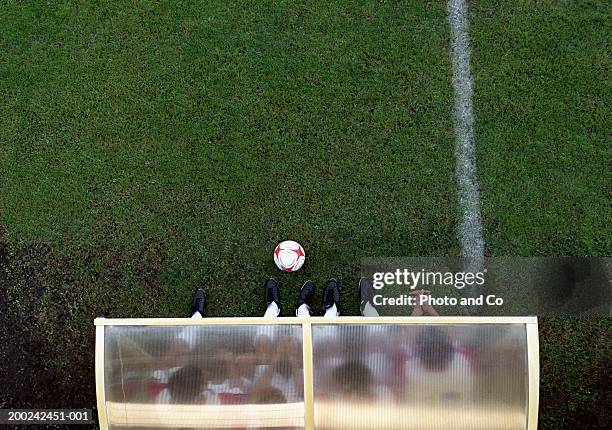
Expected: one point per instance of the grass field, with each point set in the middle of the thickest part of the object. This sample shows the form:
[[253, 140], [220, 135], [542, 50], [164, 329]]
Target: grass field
[[150, 148], [542, 97]]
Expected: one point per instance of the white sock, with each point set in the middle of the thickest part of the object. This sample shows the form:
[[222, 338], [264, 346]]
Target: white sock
[[331, 312], [196, 314], [273, 311], [369, 311], [303, 311]]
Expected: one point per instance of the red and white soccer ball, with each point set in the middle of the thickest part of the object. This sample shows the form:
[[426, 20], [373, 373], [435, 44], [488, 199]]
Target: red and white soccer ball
[[289, 256]]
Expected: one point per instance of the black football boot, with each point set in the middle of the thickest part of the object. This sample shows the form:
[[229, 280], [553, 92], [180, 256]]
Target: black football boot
[[199, 302], [306, 296], [366, 293], [331, 295], [272, 292]]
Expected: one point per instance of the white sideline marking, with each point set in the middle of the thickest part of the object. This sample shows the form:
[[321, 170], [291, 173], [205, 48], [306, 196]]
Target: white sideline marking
[[470, 227]]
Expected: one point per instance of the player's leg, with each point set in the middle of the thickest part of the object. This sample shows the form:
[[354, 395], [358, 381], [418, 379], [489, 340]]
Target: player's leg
[[304, 307], [187, 335], [199, 304], [331, 299], [366, 291], [272, 298]]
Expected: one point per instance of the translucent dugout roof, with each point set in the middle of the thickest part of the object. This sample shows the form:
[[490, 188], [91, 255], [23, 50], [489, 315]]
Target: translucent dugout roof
[[317, 373]]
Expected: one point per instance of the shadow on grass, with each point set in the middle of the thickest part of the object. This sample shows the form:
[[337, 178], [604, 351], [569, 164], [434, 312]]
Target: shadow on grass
[[47, 305]]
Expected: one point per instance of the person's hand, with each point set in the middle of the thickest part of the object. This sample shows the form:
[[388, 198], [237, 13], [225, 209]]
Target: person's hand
[[418, 308], [420, 293], [417, 295], [417, 311], [428, 309]]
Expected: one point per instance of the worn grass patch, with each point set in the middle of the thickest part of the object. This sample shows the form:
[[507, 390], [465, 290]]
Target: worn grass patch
[[47, 305], [575, 374]]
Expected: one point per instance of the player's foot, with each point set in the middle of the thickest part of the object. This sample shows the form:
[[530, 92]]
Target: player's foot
[[272, 292], [331, 295], [366, 293], [199, 302], [306, 296]]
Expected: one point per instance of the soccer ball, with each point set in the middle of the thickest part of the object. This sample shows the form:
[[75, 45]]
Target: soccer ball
[[289, 256]]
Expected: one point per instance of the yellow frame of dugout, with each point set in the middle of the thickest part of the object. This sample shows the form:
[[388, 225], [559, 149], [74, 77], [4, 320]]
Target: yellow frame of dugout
[[531, 327]]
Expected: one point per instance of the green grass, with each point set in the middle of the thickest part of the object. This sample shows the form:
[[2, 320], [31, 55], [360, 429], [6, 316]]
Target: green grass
[[218, 130], [542, 101], [150, 148]]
